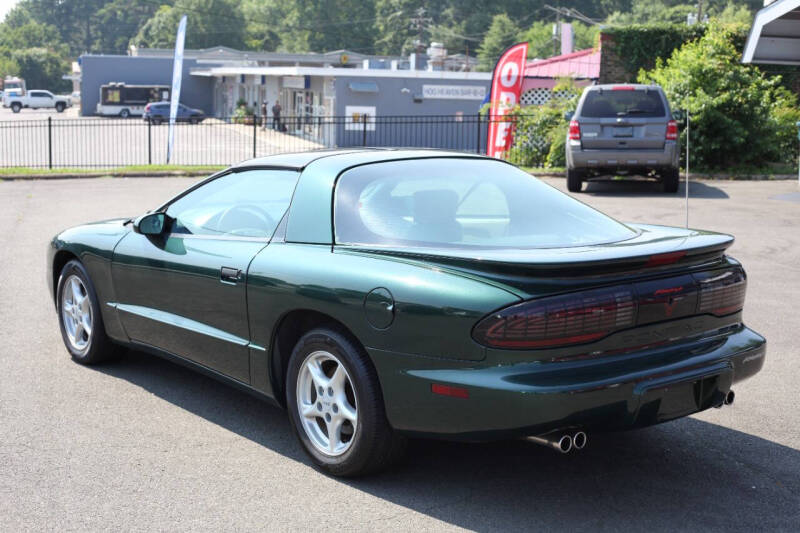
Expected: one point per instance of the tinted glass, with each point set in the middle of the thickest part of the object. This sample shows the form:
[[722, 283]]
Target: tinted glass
[[243, 204], [620, 103], [462, 203]]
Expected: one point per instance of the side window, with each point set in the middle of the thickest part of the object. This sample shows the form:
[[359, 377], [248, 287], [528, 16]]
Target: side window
[[240, 204]]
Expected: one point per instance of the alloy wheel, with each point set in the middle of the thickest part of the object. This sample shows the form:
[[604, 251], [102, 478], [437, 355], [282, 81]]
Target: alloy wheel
[[326, 403], [76, 313]]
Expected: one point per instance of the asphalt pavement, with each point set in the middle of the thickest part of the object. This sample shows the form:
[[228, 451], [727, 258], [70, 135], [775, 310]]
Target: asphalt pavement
[[144, 444]]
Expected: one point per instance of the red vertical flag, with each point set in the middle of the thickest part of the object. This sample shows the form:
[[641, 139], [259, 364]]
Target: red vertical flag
[[506, 88]]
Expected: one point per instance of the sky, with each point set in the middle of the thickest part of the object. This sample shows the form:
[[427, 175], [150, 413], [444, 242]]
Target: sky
[[5, 7]]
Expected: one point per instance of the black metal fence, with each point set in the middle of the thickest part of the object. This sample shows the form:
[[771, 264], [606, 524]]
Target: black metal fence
[[112, 142]]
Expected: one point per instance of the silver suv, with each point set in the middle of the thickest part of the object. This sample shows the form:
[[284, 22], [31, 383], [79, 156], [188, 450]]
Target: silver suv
[[623, 129]]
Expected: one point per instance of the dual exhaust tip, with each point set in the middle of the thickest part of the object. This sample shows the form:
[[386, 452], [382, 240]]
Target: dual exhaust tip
[[563, 442]]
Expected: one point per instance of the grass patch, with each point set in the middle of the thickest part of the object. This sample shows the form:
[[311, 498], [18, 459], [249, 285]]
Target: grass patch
[[542, 170], [28, 171]]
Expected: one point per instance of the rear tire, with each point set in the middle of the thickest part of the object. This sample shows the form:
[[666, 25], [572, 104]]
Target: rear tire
[[574, 180], [79, 316], [125, 113], [332, 389], [670, 180]]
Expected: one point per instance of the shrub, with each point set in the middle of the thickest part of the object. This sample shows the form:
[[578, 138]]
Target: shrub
[[739, 115], [541, 130]]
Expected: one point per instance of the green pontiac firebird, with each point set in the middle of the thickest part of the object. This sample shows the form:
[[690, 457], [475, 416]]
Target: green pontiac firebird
[[382, 294]]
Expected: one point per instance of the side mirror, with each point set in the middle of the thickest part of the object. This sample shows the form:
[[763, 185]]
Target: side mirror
[[150, 224], [679, 115], [569, 114]]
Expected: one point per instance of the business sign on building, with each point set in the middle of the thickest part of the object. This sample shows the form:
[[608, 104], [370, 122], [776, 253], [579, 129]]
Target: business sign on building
[[295, 82], [454, 92]]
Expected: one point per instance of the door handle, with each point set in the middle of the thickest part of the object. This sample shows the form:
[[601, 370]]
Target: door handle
[[230, 275]]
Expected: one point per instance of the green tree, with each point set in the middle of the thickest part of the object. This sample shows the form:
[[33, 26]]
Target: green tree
[[209, 23], [739, 115], [118, 22], [321, 25], [539, 37], [502, 34], [42, 68]]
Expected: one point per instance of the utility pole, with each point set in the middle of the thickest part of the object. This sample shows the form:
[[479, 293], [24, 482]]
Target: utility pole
[[418, 22]]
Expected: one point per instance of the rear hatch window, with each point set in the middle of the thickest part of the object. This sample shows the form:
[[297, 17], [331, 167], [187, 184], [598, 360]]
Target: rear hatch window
[[623, 103], [623, 119]]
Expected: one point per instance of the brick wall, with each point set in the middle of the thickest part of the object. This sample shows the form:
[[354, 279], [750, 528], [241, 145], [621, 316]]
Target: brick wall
[[612, 69]]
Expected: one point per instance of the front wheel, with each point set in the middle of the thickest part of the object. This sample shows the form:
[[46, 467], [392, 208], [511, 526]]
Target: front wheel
[[16, 107], [79, 316], [574, 180], [60, 106], [124, 113], [336, 406]]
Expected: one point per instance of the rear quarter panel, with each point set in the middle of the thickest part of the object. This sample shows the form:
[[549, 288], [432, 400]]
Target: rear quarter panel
[[434, 310]]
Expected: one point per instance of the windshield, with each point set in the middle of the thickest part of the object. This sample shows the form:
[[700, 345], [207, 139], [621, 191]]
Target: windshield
[[454, 202], [620, 103]]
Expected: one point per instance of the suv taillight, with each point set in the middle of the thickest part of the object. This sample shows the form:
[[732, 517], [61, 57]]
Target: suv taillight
[[588, 316], [574, 130], [672, 130]]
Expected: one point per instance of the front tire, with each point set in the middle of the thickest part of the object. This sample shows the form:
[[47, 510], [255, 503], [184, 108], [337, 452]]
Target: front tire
[[79, 316], [336, 406], [60, 106], [16, 107], [124, 113], [574, 180]]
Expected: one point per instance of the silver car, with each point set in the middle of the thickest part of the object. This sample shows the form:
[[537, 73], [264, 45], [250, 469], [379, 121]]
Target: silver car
[[623, 129]]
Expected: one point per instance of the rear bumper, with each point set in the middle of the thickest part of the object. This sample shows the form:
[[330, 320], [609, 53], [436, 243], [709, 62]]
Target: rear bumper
[[578, 158], [534, 398]]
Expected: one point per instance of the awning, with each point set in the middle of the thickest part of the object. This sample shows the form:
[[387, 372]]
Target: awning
[[363, 86], [775, 35]]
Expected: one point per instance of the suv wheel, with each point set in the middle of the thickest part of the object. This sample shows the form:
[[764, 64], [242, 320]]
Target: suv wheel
[[670, 180], [574, 180], [336, 406], [60, 106], [15, 107]]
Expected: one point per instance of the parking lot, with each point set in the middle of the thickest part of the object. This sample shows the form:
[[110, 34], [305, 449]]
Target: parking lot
[[143, 444], [75, 141]]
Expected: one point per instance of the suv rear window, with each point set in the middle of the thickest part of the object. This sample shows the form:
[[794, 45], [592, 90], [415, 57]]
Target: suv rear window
[[621, 103]]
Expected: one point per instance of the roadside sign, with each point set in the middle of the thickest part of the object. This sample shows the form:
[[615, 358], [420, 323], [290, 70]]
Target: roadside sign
[[177, 73]]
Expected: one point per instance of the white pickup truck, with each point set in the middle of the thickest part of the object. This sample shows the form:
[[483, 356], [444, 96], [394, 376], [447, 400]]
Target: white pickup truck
[[36, 99]]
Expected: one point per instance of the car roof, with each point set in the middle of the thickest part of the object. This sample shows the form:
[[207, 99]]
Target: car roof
[[346, 157]]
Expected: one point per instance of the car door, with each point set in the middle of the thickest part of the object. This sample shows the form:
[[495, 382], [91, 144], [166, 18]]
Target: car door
[[184, 292], [38, 99]]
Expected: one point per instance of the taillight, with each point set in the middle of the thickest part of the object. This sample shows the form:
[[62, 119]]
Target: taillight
[[147, 108], [722, 293], [574, 130], [558, 321], [672, 130], [588, 316]]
